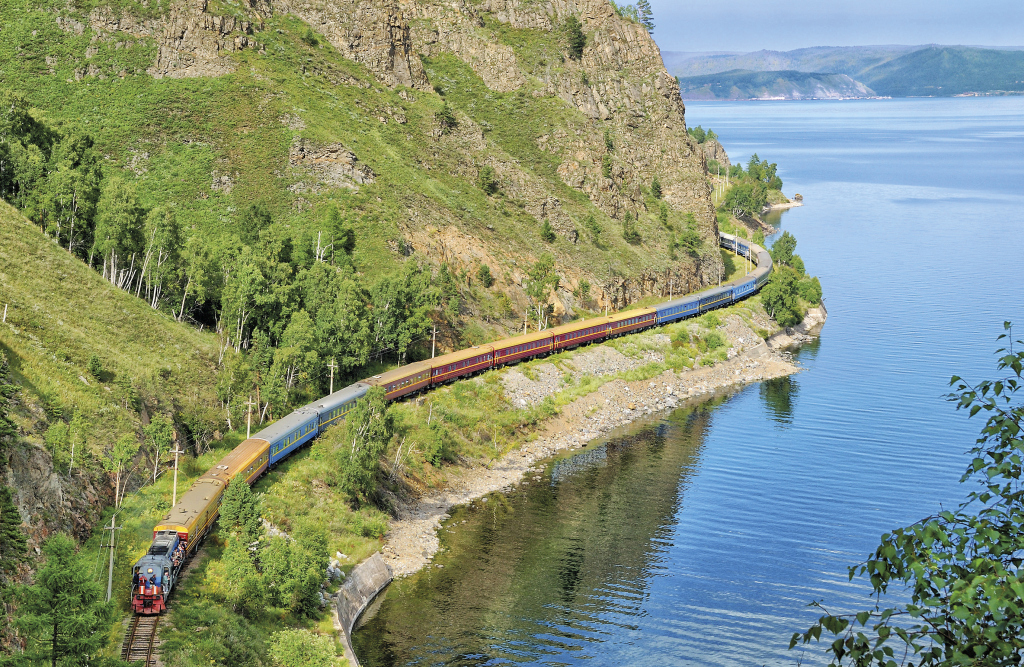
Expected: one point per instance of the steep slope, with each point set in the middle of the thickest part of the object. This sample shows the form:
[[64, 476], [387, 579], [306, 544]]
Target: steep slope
[[943, 71], [59, 315], [304, 104]]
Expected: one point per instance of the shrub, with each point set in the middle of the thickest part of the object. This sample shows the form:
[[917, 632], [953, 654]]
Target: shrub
[[656, 188], [547, 233], [608, 144], [593, 229], [301, 648], [487, 180], [95, 367], [309, 38], [483, 274], [629, 230], [681, 338], [711, 320], [606, 165], [715, 340], [446, 119], [810, 290], [575, 37]]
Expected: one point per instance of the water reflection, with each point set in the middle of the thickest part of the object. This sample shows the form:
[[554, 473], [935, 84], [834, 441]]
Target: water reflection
[[549, 572], [779, 396]]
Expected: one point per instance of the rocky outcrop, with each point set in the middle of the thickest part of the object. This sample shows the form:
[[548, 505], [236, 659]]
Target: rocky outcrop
[[332, 164], [715, 151], [374, 34]]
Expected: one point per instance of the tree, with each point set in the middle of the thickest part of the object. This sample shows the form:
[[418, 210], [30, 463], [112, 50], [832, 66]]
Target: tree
[[645, 14], [446, 119], [254, 220], [7, 391], [745, 198], [783, 248], [542, 277], [575, 38], [629, 231], [487, 180], [593, 229], [159, 434], [62, 616], [301, 648], [690, 240], [366, 433], [779, 297], [241, 511], [119, 232], [609, 145], [961, 568], [606, 165], [161, 265], [116, 461], [810, 290], [13, 542], [656, 188], [546, 232], [483, 274]]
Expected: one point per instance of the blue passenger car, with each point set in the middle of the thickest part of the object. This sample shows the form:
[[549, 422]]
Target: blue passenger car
[[715, 298], [333, 407], [670, 311], [288, 434]]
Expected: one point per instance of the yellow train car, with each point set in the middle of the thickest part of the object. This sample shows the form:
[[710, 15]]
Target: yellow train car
[[198, 508], [632, 320], [457, 364], [402, 380]]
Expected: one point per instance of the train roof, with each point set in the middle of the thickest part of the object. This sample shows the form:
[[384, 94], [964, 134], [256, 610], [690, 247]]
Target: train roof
[[238, 458], [286, 425], [344, 395], [460, 355], [399, 373], [689, 298], [191, 504], [579, 324], [626, 314], [522, 339]]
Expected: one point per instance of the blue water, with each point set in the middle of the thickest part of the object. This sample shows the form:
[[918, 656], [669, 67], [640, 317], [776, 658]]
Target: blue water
[[699, 539]]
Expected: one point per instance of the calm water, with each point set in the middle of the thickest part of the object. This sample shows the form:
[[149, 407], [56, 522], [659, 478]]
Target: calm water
[[699, 539]]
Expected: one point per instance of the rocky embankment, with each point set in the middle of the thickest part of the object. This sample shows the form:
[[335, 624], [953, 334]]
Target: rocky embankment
[[412, 540]]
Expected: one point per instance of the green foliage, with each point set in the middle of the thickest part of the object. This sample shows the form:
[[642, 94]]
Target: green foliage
[[700, 135], [656, 188], [645, 14], [120, 231], [779, 297], [593, 229], [487, 180], [690, 239], [606, 165], [783, 248], [960, 568], [366, 434], [310, 39], [663, 214], [758, 238], [681, 338], [629, 231], [241, 511], [439, 446], [575, 38], [745, 198], [445, 119], [715, 340], [62, 617], [711, 320], [301, 648], [714, 167], [810, 290], [583, 290], [762, 172], [13, 541], [546, 232], [609, 145], [798, 265], [7, 391], [483, 274], [542, 277]]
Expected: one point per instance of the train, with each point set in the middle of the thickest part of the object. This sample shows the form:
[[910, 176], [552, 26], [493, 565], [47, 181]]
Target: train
[[180, 532]]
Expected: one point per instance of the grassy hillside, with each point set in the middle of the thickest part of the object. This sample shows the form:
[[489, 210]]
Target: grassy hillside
[[944, 71]]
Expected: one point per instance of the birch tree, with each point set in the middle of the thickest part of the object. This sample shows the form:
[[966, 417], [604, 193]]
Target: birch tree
[[119, 232]]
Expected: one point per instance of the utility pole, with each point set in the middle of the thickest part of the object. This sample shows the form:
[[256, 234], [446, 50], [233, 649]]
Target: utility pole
[[174, 492], [5, 313], [332, 366], [110, 570], [433, 342], [248, 416]]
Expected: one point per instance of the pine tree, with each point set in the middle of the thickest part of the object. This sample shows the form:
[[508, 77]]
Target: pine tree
[[656, 188], [241, 511], [7, 391], [13, 549], [575, 37], [63, 616], [645, 14]]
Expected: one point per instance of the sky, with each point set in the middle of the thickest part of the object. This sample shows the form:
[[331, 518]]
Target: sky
[[783, 25]]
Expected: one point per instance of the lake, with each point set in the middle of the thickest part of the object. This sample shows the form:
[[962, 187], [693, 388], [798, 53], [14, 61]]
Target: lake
[[699, 538]]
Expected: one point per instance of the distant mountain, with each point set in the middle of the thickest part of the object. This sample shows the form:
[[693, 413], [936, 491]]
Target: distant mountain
[[782, 85], [896, 71]]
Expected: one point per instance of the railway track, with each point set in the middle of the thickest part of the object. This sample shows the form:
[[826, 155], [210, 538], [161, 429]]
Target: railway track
[[140, 641]]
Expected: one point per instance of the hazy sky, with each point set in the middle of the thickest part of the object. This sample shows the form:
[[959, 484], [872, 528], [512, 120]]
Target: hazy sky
[[781, 25]]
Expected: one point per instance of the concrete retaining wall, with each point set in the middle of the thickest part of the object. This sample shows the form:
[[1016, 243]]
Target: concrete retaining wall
[[362, 585]]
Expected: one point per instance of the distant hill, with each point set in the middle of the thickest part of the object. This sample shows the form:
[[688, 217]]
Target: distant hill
[[896, 71], [786, 84]]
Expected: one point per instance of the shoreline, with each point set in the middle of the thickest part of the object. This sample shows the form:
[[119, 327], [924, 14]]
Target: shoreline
[[412, 540], [781, 206]]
